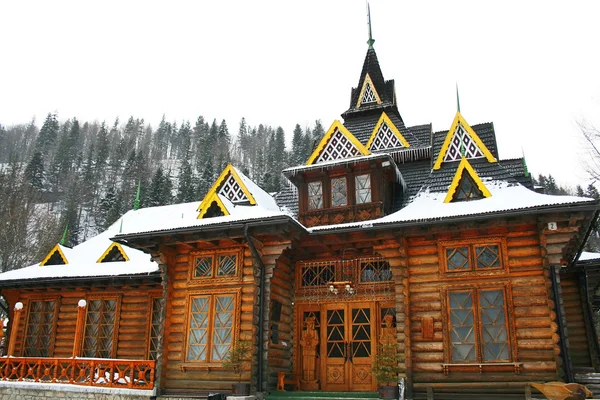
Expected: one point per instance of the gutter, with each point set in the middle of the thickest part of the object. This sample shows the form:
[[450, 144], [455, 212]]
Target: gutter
[[560, 319]]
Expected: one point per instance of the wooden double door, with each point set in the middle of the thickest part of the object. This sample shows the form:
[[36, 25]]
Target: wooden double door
[[347, 344]]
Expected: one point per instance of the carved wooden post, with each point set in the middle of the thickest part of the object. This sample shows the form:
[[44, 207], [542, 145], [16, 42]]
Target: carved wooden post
[[388, 332], [79, 328], [309, 342], [14, 328]]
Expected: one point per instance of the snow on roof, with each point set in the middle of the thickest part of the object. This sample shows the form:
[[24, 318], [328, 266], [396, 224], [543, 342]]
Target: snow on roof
[[263, 199], [341, 161], [587, 256], [82, 261], [427, 206]]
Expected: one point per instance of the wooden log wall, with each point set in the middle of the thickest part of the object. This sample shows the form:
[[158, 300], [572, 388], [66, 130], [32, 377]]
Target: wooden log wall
[[132, 328], [530, 309]]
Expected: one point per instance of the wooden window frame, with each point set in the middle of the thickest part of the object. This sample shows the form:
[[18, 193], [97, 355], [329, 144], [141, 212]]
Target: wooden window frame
[[236, 323], [323, 196], [331, 188], [115, 338], [52, 340], [472, 244], [215, 254], [151, 298], [506, 289]]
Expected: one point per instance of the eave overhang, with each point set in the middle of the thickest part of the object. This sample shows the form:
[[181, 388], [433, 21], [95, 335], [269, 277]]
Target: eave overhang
[[77, 281]]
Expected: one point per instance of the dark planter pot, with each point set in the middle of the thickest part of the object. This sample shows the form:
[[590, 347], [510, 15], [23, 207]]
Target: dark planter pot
[[240, 389], [388, 392]]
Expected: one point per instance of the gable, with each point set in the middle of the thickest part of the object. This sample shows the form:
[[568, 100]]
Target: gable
[[55, 257], [466, 185], [386, 135], [337, 143], [113, 253], [368, 94], [462, 140], [229, 185]]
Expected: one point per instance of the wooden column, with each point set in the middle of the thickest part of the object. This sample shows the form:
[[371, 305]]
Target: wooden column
[[14, 328], [79, 328]]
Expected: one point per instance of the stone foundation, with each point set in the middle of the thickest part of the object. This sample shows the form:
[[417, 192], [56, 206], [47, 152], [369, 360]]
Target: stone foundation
[[42, 391]]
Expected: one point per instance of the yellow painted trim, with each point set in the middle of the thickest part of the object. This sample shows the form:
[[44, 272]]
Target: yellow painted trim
[[364, 87], [215, 187], [459, 119], [388, 121], [336, 125], [54, 249], [465, 165], [118, 246], [209, 201]]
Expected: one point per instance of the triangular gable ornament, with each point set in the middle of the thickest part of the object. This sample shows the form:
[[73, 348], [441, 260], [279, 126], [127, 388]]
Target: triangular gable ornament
[[56, 254], [337, 143], [465, 175], [461, 138], [114, 252], [230, 186], [385, 135], [368, 94]]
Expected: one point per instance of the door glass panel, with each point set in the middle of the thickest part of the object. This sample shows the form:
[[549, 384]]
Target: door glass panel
[[336, 341], [361, 332]]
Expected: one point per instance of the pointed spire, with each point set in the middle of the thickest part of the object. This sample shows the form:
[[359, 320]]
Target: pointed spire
[[457, 99], [121, 226], [371, 40], [525, 169], [64, 236], [136, 202]]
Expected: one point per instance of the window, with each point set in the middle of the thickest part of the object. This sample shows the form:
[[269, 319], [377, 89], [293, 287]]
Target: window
[[40, 329], [339, 194], [478, 328], [100, 328], [480, 256], [317, 274], [156, 322], [375, 271], [315, 195], [221, 264], [211, 327], [363, 189], [467, 189]]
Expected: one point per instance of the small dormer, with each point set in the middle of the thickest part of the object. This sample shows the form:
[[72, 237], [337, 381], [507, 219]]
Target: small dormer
[[343, 182]]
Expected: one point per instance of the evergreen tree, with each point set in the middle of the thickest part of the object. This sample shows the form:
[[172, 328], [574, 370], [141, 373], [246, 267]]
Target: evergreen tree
[[185, 188], [318, 131], [206, 179], [160, 189], [101, 159], [48, 134], [297, 154], [592, 192], [34, 172]]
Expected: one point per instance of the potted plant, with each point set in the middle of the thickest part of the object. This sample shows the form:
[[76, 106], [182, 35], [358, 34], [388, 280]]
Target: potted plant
[[385, 369], [238, 359]]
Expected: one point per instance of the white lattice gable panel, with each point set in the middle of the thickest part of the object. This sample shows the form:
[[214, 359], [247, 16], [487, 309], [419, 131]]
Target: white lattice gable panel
[[233, 191], [462, 141], [369, 95], [338, 147], [385, 139]]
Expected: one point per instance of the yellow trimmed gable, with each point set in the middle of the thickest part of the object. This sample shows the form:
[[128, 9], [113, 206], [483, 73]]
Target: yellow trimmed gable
[[459, 120], [463, 167], [368, 83], [337, 126], [384, 119], [110, 248], [213, 194], [55, 249]]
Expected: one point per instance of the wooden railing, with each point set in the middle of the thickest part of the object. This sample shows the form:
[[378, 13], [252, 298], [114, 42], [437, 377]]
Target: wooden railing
[[132, 374]]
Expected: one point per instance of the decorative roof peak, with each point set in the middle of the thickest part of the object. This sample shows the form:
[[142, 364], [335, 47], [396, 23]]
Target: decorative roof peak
[[371, 40]]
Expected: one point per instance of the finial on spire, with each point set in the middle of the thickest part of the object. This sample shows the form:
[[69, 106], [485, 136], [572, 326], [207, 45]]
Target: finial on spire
[[525, 169], [136, 202], [64, 236], [121, 226], [457, 99], [371, 40]]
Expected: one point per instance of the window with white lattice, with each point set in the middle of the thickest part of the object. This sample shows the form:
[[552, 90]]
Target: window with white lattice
[[232, 190], [214, 264], [339, 192], [462, 143], [478, 329], [368, 95], [315, 195], [338, 147], [41, 328], [385, 138], [363, 188], [211, 327], [101, 328], [156, 323]]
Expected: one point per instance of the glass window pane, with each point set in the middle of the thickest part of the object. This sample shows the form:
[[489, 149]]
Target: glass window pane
[[494, 334], [197, 334], [363, 189], [227, 265], [100, 328], [203, 267], [315, 195], [488, 256], [339, 194], [222, 337], [462, 326], [458, 258]]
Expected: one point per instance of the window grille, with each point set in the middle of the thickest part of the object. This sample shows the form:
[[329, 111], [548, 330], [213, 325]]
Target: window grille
[[369, 95], [40, 329], [462, 142], [315, 195], [100, 328], [385, 139]]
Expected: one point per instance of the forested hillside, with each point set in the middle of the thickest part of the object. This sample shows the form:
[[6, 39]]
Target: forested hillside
[[83, 175]]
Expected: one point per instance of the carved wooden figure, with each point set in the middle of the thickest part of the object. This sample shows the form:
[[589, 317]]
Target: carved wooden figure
[[309, 342]]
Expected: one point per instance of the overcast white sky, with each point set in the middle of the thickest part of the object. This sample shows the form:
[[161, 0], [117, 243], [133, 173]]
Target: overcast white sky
[[531, 67]]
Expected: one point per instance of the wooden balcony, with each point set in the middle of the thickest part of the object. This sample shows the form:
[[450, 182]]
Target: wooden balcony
[[127, 374], [341, 215]]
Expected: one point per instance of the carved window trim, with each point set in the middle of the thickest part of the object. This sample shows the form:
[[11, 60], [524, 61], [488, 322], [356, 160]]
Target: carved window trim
[[212, 296], [115, 325], [474, 250], [53, 325], [215, 256], [476, 290]]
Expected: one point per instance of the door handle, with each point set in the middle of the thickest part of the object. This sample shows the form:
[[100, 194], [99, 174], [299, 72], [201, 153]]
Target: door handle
[[349, 352]]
